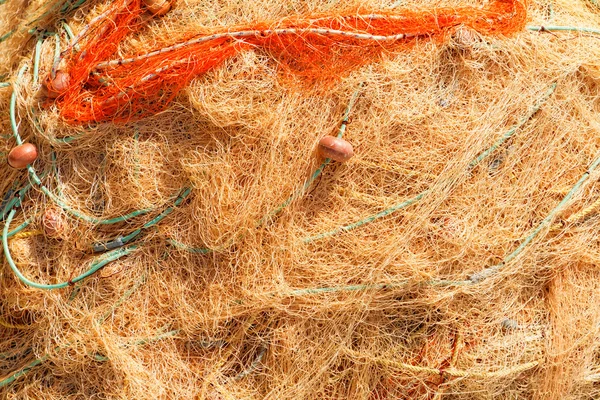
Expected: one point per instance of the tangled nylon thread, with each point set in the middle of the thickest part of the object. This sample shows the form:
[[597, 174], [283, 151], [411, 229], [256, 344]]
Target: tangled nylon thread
[[316, 48]]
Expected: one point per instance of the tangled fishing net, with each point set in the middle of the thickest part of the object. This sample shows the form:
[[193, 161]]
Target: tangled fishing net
[[180, 237]]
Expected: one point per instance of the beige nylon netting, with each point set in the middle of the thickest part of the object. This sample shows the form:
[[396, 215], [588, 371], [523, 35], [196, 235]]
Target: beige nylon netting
[[455, 256]]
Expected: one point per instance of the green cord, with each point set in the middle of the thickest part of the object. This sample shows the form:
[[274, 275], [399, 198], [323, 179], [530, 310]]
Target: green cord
[[55, 172], [484, 274], [95, 266], [8, 196], [418, 197], [68, 29], [23, 370], [70, 7], [142, 342], [159, 217], [187, 248], [79, 215], [19, 228], [36, 62], [158, 337], [254, 365], [46, 13], [368, 219], [551, 10], [38, 128], [554, 28], [16, 200], [123, 298], [13, 105], [4, 84], [64, 8], [514, 129], [7, 35], [121, 241]]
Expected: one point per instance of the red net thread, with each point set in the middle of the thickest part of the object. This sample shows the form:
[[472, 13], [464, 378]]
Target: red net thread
[[316, 48]]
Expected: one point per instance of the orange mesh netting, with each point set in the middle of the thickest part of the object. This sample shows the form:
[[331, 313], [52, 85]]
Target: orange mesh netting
[[315, 48]]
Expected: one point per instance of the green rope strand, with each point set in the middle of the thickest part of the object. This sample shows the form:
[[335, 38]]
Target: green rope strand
[[122, 300], [368, 219], [38, 128], [183, 246], [121, 241], [95, 266], [156, 338], [482, 275], [24, 370], [254, 365], [67, 7], [7, 35], [514, 129], [142, 342], [19, 228], [555, 28], [16, 200], [36, 62], [64, 8], [68, 30], [158, 218], [551, 10], [13, 106], [79, 215]]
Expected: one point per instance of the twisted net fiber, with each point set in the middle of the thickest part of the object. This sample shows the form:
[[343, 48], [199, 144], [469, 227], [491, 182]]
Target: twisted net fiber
[[385, 310]]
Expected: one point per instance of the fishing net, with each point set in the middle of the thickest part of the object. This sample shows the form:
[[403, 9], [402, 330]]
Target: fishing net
[[318, 48], [180, 237]]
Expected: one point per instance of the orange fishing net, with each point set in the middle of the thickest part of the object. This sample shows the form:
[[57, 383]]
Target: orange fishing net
[[313, 47]]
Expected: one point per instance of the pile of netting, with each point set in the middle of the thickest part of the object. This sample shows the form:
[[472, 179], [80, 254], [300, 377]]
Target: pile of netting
[[179, 236]]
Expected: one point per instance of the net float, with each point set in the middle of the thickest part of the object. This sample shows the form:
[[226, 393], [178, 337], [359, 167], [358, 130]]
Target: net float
[[21, 156], [335, 148], [57, 85], [158, 8], [465, 37], [53, 222]]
